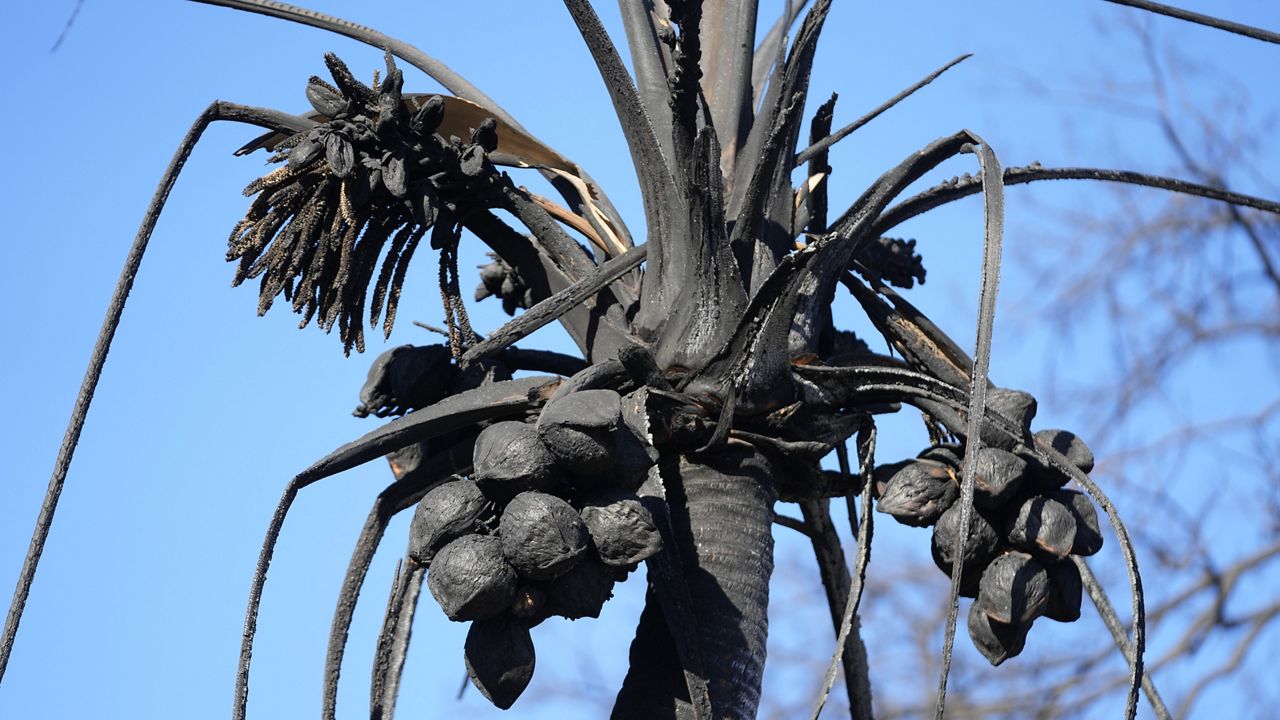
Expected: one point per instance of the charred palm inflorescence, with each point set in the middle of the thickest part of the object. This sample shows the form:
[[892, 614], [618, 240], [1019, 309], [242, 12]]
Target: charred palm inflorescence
[[708, 384]]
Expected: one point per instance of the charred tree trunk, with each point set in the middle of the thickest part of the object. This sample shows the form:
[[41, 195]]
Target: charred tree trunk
[[722, 513]]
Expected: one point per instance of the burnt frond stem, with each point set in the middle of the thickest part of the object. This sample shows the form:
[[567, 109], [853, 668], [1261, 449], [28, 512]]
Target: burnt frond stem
[[993, 211], [1199, 19], [819, 145], [1137, 597], [860, 706], [218, 110], [661, 205], [958, 188], [1109, 618], [557, 305], [393, 643], [395, 498]]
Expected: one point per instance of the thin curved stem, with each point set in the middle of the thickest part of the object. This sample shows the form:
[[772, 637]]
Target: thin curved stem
[[956, 189], [397, 497], [1109, 618], [866, 452], [993, 192], [217, 110], [1206, 20], [1055, 459], [393, 644], [557, 305], [842, 133]]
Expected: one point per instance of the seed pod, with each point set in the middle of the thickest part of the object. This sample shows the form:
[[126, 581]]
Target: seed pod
[[1014, 589], [947, 454], [578, 428], [583, 591], [405, 378], [394, 177], [449, 511], [621, 528], [500, 659], [542, 535], [1065, 592], [305, 152], [340, 154], [1088, 532], [882, 474], [324, 99], [1067, 443], [409, 461], [1016, 405], [486, 134], [919, 493], [428, 116], [632, 459], [510, 458], [1044, 525], [530, 605], [996, 641], [470, 578], [471, 161], [998, 475], [981, 547]]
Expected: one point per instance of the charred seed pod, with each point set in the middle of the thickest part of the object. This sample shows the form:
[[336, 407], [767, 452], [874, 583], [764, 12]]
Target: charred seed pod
[[1017, 405], [510, 458], [583, 591], [542, 535], [1014, 589], [530, 605], [919, 493], [579, 427], [406, 378], [471, 580], [500, 659], [982, 545], [1088, 539], [324, 98], [409, 461], [1067, 443], [621, 528], [947, 454], [1043, 525], [996, 641], [882, 474], [1065, 592], [998, 475], [449, 511]]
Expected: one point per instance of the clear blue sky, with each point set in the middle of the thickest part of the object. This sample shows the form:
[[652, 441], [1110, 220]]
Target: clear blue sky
[[205, 411]]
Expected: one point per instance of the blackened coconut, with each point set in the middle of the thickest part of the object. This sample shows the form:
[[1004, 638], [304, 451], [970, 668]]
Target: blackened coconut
[[542, 535], [510, 458], [1014, 589], [500, 659], [621, 529], [918, 493], [578, 429], [449, 511], [471, 580]]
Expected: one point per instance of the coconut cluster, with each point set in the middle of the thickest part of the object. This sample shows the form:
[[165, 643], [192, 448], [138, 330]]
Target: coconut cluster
[[1023, 528], [546, 523]]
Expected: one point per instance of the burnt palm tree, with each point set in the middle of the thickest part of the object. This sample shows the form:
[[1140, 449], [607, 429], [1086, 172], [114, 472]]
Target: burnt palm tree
[[710, 380]]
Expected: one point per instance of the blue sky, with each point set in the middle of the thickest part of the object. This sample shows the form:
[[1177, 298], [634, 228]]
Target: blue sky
[[205, 411]]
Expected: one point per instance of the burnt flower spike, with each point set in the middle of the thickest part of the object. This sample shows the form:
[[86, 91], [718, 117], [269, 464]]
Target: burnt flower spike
[[708, 375]]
